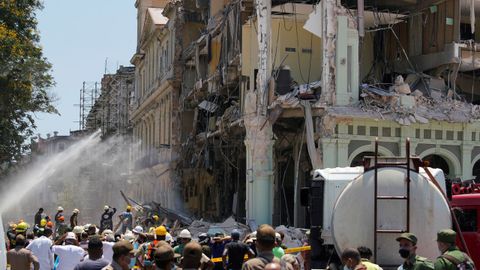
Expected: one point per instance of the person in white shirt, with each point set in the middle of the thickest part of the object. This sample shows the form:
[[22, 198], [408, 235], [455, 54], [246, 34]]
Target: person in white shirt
[[41, 248], [69, 254]]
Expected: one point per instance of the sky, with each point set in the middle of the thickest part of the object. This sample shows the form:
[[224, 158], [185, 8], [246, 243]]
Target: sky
[[77, 37]]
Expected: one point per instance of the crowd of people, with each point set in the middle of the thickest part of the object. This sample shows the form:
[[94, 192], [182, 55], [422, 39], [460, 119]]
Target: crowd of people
[[56, 245]]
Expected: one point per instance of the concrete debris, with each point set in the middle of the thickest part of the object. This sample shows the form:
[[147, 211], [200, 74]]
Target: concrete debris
[[406, 107], [400, 86], [417, 93], [226, 227], [300, 92], [294, 237]]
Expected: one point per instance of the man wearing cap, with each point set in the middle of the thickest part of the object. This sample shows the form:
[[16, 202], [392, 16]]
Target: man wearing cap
[[21, 258], [264, 244], [451, 255], [408, 248], [69, 254], [164, 256], [236, 252], [122, 255]]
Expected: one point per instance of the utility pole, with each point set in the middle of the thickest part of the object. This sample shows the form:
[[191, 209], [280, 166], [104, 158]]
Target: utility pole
[[259, 136]]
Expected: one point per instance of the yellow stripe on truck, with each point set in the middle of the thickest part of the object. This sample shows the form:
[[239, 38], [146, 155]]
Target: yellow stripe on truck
[[287, 251]]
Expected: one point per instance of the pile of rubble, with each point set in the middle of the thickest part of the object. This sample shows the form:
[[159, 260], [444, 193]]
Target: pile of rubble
[[431, 100], [294, 237]]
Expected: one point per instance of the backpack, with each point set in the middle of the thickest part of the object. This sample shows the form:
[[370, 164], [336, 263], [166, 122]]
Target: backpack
[[466, 264]]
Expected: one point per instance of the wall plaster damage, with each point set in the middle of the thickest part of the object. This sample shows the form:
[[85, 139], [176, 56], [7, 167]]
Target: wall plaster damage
[[263, 92]]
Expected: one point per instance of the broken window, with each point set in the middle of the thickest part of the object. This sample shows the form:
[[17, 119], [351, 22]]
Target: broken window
[[466, 32]]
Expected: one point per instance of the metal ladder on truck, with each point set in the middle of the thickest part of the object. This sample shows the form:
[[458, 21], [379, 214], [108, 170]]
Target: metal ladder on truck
[[391, 162]]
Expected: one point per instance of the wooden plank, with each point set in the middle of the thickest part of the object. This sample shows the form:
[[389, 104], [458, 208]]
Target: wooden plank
[[456, 22], [449, 15], [441, 20]]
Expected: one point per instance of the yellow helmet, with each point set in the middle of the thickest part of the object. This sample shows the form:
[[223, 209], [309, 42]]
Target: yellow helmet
[[161, 231], [129, 207], [155, 217], [22, 227], [43, 222]]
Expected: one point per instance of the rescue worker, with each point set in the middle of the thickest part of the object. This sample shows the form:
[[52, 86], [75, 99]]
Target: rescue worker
[[39, 229], [185, 237], [408, 248], [148, 251], [451, 255], [58, 215], [278, 250], [22, 228], [204, 241], [217, 247], [265, 243], [127, 219], [11, 234], [235, 251], [61, 227], [366, 254], [351, 259], [156, 220], [106, 219], [38, 217], [21, 258], [74, 218]]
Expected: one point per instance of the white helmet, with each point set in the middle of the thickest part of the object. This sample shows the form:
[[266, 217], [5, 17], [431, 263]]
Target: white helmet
[[107, 232], [76, 211], [138, 229], [185, 234], [106, 207], [78, 230], [60, 208], [129, 236]]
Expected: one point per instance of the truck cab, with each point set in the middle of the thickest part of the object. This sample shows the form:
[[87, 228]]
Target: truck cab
[[467, 209]]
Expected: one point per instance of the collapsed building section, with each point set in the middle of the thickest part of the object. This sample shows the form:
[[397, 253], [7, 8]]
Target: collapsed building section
[[269, 91]]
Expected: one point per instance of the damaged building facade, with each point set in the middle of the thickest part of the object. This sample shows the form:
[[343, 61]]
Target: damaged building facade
[[261, 93]]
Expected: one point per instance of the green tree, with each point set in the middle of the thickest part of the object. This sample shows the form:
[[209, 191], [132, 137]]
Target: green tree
[[25, 77]]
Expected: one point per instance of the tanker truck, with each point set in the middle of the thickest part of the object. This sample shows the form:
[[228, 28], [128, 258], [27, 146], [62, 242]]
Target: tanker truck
[[373, 204]]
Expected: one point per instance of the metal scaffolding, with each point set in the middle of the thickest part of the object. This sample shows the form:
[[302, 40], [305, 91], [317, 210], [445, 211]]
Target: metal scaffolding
[[89, 94]]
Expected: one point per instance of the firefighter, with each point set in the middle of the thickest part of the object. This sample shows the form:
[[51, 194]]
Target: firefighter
[[127, 219], [408, 248], [74, 218], [106, 222], [185, 237], [58, 215], [451, 256]]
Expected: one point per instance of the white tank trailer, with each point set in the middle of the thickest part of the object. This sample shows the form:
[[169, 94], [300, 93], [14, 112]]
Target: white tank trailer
[[343, 210]]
